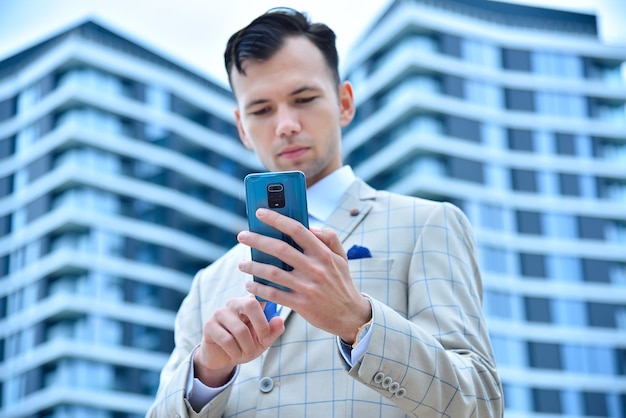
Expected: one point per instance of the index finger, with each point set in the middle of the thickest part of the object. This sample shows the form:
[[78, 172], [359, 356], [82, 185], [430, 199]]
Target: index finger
[[291, 227], [258, 324]]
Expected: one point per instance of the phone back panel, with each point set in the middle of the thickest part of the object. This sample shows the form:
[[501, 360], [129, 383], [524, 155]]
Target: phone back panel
[[263, 190]]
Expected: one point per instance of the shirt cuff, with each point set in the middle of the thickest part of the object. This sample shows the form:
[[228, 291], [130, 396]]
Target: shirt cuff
[[197, 393], [353, 355]]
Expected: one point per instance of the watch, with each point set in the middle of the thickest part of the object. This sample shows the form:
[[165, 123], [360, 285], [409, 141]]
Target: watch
[[361, 331]]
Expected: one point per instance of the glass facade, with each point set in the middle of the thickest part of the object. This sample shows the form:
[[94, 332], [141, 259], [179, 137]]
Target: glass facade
[[116, 186], [500, 110]]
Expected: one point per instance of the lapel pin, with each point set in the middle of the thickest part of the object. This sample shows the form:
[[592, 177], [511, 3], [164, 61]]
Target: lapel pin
[[354, 212]]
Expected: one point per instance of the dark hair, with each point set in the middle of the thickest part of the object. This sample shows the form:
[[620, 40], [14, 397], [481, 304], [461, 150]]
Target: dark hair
[[266, 34]]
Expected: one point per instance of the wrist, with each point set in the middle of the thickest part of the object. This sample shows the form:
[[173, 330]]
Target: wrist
[[213, 378], [360, 322]]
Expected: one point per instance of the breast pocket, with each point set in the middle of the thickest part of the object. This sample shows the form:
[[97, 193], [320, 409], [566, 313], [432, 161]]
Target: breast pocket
[[370, 273]]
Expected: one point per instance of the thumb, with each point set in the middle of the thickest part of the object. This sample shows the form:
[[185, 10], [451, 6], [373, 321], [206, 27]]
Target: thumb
[[277, 327]]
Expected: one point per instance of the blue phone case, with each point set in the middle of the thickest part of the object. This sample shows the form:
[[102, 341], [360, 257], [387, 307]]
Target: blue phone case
[[263, 190]]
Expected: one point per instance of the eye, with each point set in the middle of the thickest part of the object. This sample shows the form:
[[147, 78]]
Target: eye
[[260, 111], [306, 99]]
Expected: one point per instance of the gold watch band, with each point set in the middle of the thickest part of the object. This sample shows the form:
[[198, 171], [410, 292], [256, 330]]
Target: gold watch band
[[358, 332]]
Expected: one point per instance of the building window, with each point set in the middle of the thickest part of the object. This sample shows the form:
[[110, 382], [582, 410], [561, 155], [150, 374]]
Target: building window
[[521, 100], [492, 217], [479, 52], [591, 228], [529, 222], [565, 268], [494, 260], [609, 149], [7, 147], [565, 144], [547, 401], [544, 356], [483, 93], [620, 356], [595, 404], [598, 271], [561, 225], [561, 104], [450, 45], [524, 180], [537, 309], [606, 70], [516, 59], [8, 108], [612, 111], [533, 265], [606, 188], [499, 304], [556, 65], [606, 315], [520, 140], [462, 128], [462, 169], [569, 313], [452, 86], [569, 184]]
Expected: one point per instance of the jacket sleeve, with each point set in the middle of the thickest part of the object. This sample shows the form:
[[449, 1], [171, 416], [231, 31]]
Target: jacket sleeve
[[438, 360], [171, 398]]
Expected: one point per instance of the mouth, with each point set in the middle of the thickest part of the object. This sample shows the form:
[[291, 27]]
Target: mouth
[[293, 152]]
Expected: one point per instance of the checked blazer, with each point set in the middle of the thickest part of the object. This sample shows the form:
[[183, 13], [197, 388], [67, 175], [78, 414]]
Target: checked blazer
[[429, 353]]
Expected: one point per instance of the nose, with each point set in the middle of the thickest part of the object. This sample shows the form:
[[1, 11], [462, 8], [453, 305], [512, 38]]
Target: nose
[[287, 123]]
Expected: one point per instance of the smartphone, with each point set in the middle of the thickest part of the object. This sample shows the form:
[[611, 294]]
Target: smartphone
[[283, 192]]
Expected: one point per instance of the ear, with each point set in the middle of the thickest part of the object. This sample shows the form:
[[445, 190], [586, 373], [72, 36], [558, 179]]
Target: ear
[[346, 104], [242, 133]]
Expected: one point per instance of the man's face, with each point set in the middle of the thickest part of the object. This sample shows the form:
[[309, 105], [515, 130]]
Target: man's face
[[290, 112]]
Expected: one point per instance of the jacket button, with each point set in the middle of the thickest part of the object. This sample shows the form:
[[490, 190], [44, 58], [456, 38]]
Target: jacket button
[[387, 381], [266, 384]]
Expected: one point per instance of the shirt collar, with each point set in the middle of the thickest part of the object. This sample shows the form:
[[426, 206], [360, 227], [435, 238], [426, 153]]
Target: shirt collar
[[324, 196]]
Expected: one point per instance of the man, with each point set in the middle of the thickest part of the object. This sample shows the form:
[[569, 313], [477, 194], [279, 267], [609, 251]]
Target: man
[[392, 328]]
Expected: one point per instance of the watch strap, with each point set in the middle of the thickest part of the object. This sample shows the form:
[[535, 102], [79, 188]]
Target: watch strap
[[360, 330]]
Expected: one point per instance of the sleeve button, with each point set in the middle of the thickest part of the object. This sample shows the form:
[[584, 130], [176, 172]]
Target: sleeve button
[[394, 387], [378, 378]]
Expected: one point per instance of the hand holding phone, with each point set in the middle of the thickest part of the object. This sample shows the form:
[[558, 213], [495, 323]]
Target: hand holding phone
[[283, 192]]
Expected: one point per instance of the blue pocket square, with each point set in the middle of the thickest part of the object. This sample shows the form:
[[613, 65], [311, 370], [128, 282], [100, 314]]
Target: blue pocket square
[[357, 252]]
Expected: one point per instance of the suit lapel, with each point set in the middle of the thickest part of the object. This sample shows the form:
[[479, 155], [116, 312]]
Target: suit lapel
[[354, 206]]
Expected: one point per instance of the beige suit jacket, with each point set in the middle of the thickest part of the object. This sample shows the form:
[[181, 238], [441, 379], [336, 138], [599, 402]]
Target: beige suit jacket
[[429, 353]]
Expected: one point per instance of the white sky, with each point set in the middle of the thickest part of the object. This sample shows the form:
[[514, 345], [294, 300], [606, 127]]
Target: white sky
[[194, 32]]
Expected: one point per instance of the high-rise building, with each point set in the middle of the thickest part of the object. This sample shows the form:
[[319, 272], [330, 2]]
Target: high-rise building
[[120, 176], [516, 114]]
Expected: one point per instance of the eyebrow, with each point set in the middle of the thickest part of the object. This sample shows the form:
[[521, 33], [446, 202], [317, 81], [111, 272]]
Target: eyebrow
[[293, 93]]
